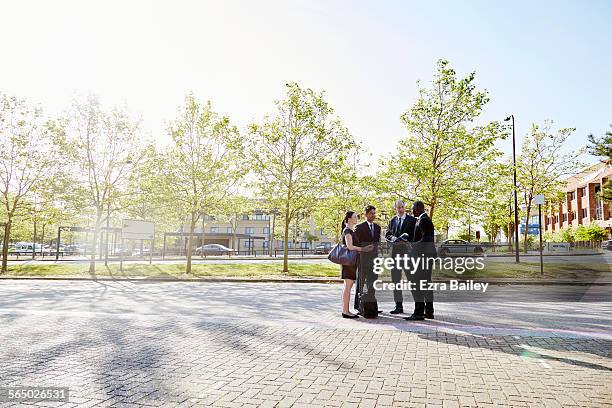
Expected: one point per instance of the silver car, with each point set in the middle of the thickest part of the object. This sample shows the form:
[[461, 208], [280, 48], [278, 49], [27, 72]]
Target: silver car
[[459, 247]]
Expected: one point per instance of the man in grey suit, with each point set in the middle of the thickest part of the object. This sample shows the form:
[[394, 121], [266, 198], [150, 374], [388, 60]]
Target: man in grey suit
[[400, 233]]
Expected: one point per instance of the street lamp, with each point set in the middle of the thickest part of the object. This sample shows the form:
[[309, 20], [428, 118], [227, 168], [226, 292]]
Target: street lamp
[[516, 228]]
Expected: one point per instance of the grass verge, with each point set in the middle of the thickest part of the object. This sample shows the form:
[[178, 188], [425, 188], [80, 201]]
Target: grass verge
[[524, 270]]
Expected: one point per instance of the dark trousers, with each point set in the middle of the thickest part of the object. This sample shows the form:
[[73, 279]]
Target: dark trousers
[[396, 276], [365, 279], [423, 298]]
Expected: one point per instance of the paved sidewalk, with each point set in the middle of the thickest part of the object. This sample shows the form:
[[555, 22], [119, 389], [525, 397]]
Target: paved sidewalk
[[233, 345]]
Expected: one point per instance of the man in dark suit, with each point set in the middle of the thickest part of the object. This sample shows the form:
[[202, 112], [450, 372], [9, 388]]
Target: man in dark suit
[[368, 233], [423, 246], [400, 233]]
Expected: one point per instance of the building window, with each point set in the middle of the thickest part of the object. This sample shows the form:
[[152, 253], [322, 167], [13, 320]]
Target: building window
[[582, 191], [304, 245], [290, 245], [572, 195], [229, 230], [564, 217], [598, 206], [214, 230], [583, 212], [249, 230], [265, 245], [248, 243], [266, 230], [245, 217]]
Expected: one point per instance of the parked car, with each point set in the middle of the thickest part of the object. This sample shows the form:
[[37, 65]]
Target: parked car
[[322, 249], [123, 252], [607, 245], [213, 249], [459, 247], [23, 248]]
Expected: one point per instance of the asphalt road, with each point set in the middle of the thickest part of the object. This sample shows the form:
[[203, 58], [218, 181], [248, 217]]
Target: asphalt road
[[574, 259]]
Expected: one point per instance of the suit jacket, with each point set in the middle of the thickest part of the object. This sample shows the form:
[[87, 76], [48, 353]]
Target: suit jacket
[[407, 227], [365, 237], [424, 235]]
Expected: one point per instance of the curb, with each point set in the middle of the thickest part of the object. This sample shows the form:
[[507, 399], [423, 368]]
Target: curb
[[492, 281]]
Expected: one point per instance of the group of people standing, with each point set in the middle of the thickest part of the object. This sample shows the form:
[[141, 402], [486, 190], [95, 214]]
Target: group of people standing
[[408, 234]]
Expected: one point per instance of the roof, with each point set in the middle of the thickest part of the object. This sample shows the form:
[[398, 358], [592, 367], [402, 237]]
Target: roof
[[590, 174]]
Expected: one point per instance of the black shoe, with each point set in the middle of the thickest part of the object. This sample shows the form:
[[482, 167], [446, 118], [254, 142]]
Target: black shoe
[[380, 311], [429, 316], [414, 317], [397, 311], [348, 316]]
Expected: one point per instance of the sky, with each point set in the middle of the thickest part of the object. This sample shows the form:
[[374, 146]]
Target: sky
[[539, 60]]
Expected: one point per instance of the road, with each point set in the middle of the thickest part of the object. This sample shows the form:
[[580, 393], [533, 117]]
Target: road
[[574, 259], [231, 345]]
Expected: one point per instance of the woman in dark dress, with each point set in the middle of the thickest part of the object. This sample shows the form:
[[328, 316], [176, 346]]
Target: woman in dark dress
[[349, 272]]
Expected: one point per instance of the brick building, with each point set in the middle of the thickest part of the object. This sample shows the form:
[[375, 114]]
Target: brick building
[[581, 204]]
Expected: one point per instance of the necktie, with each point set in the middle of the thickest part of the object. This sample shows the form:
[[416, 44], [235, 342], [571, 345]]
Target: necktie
[[372, 231], [399, 226]]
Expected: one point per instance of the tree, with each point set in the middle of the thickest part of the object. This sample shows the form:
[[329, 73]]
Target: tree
[[25, 155], [492, 201], [201, 168], [592, 232], [103, 147], [567, 234], [602, 147], [541, 165], [237, 206], [143, 200], [347, 192], [297, 154], [441, 159]]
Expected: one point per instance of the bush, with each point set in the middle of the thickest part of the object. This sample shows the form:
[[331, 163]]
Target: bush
[[591, 232], [566, 234]]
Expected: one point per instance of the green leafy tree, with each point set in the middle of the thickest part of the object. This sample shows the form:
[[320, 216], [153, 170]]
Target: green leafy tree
[[296, 154], [493, 199], [541, 165], [602, 147], [201, 168], [236, 206], [567, 234], [592, 232], [26, 153], [103, 146], [441, 159], [347, 192], [143, 201]]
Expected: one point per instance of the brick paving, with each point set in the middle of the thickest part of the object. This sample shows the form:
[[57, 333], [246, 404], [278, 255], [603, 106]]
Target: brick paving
[[215, 345]]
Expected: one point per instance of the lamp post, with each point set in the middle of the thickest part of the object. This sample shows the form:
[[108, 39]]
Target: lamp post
[[516, 228]]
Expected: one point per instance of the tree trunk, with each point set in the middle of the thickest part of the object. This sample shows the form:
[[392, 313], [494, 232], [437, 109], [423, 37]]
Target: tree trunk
[[34, 242], [526, 234], [5, 245], [286, 240], [190, 243], [42, 239], [94, 241]]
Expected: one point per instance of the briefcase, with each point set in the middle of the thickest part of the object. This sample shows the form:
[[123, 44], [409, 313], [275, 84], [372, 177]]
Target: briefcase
[[368, 306]]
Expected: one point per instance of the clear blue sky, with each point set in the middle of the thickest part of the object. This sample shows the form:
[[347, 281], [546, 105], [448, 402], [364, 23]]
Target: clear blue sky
[[539, 60]]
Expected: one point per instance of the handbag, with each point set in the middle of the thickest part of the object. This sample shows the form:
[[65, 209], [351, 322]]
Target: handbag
[[341, 255]]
